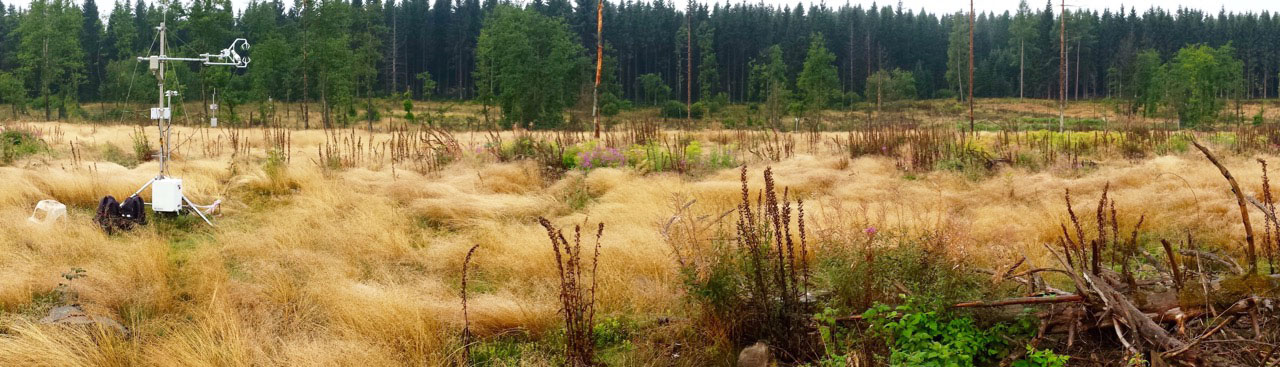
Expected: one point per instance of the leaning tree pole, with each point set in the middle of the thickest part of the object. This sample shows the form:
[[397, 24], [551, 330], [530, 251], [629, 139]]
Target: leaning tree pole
[[595, 92]]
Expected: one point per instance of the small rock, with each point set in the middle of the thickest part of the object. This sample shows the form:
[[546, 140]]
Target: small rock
[[75, 315], [756, 355]]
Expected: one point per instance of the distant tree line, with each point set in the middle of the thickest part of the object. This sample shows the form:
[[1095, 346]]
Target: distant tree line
[[337, 55]]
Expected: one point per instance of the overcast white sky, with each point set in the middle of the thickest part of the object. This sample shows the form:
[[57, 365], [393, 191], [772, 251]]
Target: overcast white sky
[[946, 6]]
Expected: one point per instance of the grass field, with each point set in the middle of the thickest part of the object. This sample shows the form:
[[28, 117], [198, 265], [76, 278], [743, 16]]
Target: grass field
[[346, 247]]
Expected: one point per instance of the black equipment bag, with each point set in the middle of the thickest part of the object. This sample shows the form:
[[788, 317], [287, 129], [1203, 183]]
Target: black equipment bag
[[112, 215]]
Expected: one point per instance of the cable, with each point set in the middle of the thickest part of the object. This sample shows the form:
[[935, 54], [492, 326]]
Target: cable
[[134, 77]]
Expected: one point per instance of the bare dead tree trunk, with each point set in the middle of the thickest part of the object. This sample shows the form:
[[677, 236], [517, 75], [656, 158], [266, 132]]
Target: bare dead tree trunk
[[595, 93]]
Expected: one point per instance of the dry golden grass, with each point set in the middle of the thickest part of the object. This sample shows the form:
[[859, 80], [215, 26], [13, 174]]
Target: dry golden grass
[[361, 266]]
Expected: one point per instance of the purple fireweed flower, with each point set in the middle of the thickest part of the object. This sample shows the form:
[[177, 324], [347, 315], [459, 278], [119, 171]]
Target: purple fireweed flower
[[871, 231]]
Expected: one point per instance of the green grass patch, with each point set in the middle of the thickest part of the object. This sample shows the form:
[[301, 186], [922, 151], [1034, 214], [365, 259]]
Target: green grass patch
[[16, 143]]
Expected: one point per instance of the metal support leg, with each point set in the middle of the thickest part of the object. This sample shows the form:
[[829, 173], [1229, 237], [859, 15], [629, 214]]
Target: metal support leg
[[197, 210], [146, 185]]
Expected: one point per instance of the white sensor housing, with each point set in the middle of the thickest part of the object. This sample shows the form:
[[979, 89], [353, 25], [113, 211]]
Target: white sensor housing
[[166, 195]]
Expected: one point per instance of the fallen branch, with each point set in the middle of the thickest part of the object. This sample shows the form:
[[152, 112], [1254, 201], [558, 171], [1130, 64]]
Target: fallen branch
[[1231, 265], [1233, 313], [1258, 204], [1141, 324], [1021, 301]]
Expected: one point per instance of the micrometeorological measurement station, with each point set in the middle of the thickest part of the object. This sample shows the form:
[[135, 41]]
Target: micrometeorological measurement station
[[166, 190]]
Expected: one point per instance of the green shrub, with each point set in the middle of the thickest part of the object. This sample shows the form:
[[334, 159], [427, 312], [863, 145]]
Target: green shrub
[[610, 109], [673, 109], [371, 112], [141, 146], [697, 110], [502, 351], [837, 341], [612, 332], [920, 336], [944, 94], [918, 264], [753, 288], [716, 104], [17, 143], [112, 153]]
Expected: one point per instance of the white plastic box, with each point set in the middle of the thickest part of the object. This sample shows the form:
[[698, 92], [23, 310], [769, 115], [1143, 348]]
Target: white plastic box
[[166, 195], [158, 113]]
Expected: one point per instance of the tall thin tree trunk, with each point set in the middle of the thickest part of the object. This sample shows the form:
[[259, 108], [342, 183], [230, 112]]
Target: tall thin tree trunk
[[867, 44], [971, 127], [1022, 61], [1078, 47], [850, 76], [688, 75], [960, 83], [1062, 67], [395, 50], [44, 79], [306, 120]]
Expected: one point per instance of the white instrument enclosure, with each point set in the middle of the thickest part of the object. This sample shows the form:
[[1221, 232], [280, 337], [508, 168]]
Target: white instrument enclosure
[[166, 195]]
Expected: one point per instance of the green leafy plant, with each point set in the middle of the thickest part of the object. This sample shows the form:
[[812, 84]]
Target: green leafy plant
[[674, 109], [17, 143], [113, 153], [755, 288], [1041, 358], [141, 146], [407, 104], [66, 294], [920, 336], [836, 341]]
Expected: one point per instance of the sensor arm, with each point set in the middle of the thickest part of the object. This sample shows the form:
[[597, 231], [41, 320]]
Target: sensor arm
[[228, 56]]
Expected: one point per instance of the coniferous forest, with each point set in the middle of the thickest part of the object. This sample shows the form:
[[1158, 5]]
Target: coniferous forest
[[57, 54]]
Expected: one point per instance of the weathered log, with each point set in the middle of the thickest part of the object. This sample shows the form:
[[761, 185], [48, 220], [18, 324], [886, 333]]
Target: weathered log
[[1137, 321]]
